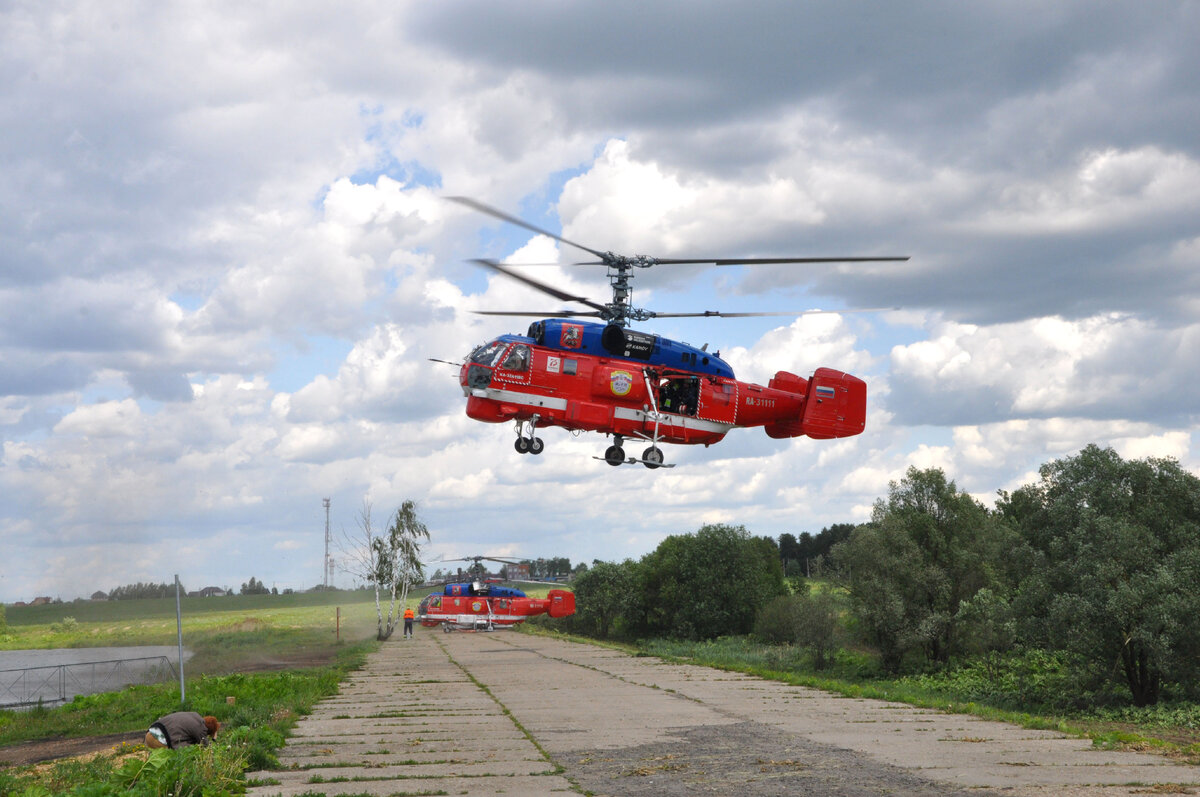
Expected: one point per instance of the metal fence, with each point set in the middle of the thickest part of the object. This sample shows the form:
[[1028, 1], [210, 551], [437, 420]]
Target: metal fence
[[59, 683]]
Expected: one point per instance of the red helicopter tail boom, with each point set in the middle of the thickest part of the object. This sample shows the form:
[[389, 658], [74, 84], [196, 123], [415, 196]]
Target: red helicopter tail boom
[[835, 405]]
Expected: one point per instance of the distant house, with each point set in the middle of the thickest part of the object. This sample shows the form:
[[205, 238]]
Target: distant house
[[212, 592], [99, 596], [40, 601]]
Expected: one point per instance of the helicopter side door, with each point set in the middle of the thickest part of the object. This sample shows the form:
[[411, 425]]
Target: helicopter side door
[[718, 400]]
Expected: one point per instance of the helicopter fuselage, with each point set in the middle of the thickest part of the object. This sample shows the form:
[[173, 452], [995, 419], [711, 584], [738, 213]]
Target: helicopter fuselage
[[605, 378], [469, 607]]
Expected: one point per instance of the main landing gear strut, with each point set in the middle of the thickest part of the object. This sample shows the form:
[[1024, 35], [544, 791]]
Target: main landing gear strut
[[526, 443], [652, 457]]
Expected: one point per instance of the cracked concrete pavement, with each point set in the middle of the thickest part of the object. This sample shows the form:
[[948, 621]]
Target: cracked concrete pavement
[[510, 713]]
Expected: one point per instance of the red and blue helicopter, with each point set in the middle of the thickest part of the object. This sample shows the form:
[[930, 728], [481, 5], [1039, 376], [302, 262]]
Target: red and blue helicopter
[[480, 605], [602, 376]]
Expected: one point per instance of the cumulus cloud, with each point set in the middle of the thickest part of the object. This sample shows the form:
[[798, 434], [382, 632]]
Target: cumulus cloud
[[201, 207], [1100, 367]]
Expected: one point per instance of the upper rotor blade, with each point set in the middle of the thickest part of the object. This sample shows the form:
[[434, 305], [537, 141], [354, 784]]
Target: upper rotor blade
[[759, 261], [719, 314], [500, 214], [536, 314], [533, 313], [549, 290]]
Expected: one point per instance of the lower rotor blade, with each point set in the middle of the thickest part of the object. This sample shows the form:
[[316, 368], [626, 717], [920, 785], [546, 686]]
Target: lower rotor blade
[[538, 285]]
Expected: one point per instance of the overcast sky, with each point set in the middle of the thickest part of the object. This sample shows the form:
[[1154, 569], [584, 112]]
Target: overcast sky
[[225, 257]]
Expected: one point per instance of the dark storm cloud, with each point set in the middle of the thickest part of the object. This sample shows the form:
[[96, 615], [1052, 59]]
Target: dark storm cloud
[[896, 66]]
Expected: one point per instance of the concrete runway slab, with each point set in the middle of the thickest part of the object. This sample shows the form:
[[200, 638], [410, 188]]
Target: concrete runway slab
[[509, 713]]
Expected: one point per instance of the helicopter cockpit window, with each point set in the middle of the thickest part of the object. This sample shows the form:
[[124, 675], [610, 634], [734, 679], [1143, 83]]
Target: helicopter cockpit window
[[518, 358], [488, 354]]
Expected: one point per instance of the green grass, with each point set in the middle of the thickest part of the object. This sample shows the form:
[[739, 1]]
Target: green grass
[[297, 633], [152, 622], [263, 709]]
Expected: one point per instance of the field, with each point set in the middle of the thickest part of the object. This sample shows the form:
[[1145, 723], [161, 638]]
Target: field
[[275, 656], [240, 632]]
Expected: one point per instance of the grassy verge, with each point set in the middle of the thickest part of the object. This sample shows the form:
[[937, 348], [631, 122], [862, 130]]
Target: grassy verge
[[275, 656], [263, 709]]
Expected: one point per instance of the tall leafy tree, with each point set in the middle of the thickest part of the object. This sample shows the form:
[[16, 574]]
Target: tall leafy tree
[[603, 593], [1112, 562], [703, 585], [928, 548]]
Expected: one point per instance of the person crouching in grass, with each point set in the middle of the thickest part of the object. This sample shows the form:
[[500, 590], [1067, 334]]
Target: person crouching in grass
[[181, 729]]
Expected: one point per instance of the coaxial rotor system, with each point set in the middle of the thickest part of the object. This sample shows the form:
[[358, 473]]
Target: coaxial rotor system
[[620, 310]]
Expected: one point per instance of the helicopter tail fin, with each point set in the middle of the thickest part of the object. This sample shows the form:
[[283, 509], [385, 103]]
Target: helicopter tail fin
[[562, 603], [835, 405]]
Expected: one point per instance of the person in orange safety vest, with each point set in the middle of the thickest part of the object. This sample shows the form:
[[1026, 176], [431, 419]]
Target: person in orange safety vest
[[408, 622]]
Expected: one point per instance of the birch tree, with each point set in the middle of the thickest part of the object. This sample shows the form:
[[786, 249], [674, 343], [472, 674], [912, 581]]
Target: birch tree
[[389, 561]]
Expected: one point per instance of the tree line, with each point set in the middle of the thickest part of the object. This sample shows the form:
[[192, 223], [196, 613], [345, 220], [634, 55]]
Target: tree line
[[1096, 564]]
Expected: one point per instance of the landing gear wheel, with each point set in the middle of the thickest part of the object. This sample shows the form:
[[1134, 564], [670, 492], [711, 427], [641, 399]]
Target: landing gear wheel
[[536, 446], [615, 455], [522, 445], [652, 457], [446, 629]]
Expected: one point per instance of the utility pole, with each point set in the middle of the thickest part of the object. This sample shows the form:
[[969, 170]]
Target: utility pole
[[328, 560]]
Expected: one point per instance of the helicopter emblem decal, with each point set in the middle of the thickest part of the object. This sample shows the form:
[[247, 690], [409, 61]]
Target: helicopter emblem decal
[[622, 383]]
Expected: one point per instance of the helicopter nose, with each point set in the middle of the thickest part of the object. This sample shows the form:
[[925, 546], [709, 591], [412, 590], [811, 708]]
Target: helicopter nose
[[478, 377]]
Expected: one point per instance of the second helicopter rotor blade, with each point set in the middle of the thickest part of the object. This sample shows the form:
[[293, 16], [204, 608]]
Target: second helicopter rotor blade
[[500, 214], [763, 261], [720, 314]]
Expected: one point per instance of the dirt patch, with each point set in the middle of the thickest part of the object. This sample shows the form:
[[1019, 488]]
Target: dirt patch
[[50, 749], [746, 760]]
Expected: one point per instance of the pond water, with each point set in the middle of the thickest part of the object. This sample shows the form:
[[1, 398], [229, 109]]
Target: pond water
[[54, 676]]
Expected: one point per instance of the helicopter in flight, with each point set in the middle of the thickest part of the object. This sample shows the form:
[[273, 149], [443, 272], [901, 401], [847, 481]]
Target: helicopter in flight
[[602, 376], [484, 606]]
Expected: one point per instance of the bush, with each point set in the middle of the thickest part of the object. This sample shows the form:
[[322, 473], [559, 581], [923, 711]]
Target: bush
[[1017, 680], [704, 585], [65, 626], [776, 621], [807, 621]]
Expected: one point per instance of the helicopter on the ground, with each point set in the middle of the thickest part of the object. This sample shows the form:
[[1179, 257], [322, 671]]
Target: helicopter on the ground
[[605, 377], [483, 606]]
